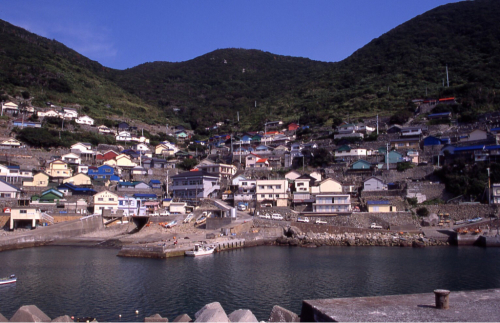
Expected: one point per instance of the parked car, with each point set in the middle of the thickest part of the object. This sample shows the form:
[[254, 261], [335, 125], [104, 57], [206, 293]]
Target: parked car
[[266, 205], [264, 216], [242, 207], [375, 226], [319, 221], [304, 219], [276, 216]]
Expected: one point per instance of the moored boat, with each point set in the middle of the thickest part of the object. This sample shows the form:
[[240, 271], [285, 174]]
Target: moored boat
[[8, 280], [200, 250]]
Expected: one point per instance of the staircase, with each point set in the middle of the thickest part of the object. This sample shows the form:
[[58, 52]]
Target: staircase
[[47, 218]]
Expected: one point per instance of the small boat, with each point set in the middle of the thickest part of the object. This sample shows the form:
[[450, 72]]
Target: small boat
[[171, 224], [8, 280], [188, 218], [202, 219], [200, 250]]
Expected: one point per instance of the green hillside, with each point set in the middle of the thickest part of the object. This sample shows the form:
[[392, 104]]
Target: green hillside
[[382, 77], [49, 71]]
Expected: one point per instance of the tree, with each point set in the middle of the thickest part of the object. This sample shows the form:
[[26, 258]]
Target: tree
[[422, 211], [188, 163]]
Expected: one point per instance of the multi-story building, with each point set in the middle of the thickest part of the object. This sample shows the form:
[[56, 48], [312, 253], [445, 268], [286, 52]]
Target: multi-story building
[[195, 185], [105, 200], [224, 171], [332, 203], [272, 191], [495, 193], [59, 169]]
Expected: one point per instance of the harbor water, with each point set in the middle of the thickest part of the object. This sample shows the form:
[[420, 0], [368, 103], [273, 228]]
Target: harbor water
[[94, 282]]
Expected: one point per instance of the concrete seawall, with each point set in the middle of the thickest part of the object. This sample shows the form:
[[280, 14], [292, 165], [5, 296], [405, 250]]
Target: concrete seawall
[[45, 235]]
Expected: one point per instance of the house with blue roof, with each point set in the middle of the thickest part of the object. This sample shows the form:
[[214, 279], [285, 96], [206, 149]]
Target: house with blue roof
[[101, 172], [75, 190], [434, 141], [8, 191], [155, 183], [380, 206], [394, 157]]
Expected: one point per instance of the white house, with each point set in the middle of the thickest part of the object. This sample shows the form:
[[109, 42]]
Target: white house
[[68, 113], [72, 158], [85, 120], [374, 184], [9, 107], [48, 113], [82, 148], [123, 136]]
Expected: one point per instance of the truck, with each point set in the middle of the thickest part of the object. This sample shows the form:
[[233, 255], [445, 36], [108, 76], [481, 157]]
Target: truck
[[375, 226]]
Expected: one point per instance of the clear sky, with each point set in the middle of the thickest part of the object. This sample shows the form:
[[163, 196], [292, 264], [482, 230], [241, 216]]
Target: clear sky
[[125, 33]]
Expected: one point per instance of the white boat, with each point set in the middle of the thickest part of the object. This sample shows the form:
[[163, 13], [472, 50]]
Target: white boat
[[171, 224], [200, 250], [202, 219], [188, 218], [8, 280]]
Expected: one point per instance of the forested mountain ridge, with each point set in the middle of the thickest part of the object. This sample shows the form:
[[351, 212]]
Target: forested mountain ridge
[[382, 77]]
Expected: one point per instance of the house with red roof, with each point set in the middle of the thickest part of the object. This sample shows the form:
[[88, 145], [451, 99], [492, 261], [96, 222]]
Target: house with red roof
[[293, 126]]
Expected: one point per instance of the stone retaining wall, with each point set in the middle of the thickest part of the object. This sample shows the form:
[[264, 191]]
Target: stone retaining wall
[[464, 211]]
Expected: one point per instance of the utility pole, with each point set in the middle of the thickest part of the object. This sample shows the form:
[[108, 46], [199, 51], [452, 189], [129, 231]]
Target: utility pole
[[447, 79], [489, 185], [377, 124], [387, 156]]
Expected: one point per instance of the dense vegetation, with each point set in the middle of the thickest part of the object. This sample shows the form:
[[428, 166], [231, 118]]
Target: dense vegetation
[[382, 77]]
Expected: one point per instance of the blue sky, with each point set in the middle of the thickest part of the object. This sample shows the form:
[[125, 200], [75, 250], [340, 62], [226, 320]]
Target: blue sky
[[123, 34]]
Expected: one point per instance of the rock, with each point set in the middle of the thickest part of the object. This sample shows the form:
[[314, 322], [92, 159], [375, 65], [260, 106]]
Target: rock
[[64, 318], [417, 244], [242, 316], [280, 314], [183, 318], [294, 231], [293, 242], [309, 245], [155, 318], [29, 313], [3, 318], [282, 241], [212, 312]]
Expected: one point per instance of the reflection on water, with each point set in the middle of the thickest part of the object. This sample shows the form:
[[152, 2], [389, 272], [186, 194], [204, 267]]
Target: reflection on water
[[94, 282]]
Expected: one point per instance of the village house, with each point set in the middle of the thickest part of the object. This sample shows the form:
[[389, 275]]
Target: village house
[[380, 206], [40, 179], [332, 203], [9, 143], [79, 180], [272, 191], [374, 184], [9, 108], [407, 143], [223, 171], [59, 169], [194, 185], [72, 158], [85, 120], [8, 191], [25, 214], [105, 200]]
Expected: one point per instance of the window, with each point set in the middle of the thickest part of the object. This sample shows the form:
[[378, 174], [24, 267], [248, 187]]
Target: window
[[23, 211], [375, 208], [270, 187], [261, 187], [263, 195], [184, 182], [278, 187], [270, 195], [5, 195], [100, 199]]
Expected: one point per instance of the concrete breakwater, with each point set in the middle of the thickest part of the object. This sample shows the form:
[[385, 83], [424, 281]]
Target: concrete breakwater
[[44, 235], [295, 237], [440, 306], [162, 251]]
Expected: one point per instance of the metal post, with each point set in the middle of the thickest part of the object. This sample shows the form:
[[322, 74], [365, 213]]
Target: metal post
[[442, 299]]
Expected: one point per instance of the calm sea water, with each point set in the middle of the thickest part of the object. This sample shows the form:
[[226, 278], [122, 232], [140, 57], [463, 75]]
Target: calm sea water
[[94, 282]]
